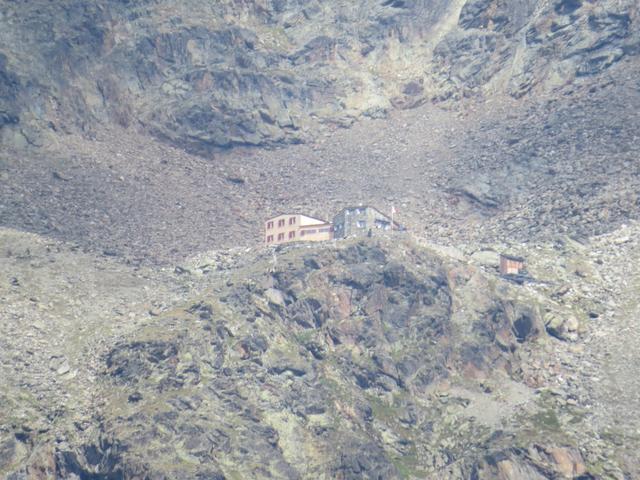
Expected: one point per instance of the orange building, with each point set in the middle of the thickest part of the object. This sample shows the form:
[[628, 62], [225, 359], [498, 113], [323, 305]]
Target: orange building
[[296, 228]]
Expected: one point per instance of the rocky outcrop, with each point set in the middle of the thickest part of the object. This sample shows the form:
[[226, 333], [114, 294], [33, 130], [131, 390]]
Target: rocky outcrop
[[557, 462], [520, 46], [364, 361]]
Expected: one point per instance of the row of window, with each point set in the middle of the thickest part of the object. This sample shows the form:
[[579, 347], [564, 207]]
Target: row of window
[[281, 222], [291, 235], [357, 211], [378, 224], [313, 230], [270, 238]]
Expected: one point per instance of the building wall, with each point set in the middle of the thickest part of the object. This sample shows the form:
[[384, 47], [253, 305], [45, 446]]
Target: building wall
[[510, 267], [288, 228], [280, 228], [338, 225], [316, 233], [357, 221]]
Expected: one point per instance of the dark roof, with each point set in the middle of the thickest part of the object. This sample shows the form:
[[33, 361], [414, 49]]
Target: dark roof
[[512, 257]]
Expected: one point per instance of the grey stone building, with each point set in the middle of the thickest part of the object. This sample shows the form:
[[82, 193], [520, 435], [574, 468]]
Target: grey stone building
[[358, 221]]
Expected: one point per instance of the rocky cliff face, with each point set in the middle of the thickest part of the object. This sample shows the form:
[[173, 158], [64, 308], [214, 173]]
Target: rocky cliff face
[[519, 46], [204, 76]]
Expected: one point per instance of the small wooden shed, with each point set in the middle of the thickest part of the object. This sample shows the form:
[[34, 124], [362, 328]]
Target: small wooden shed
[[511, 265]]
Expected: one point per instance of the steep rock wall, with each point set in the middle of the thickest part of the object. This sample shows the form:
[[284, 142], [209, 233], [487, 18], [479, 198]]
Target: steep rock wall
[[205, 76]]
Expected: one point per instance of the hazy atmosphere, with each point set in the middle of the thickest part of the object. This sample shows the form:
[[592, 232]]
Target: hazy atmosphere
[[305, 239]]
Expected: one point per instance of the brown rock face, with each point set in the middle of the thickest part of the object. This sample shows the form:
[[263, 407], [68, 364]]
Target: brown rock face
[[550, 462], [568, 462]]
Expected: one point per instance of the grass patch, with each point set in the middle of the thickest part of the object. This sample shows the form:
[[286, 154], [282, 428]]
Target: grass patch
[[408, 465], [304, 336], [546, 420]]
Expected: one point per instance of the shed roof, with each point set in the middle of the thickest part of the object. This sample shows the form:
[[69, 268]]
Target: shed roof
[[512, 257]]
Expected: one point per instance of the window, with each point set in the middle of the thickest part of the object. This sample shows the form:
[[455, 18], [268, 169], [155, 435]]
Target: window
[[302, 233], [292, 221], [281, 236], [269, 225], [361, 224], [281, 223], [292, 235], [269, 238]]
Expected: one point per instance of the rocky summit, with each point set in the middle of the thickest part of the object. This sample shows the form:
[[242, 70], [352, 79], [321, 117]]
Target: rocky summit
[[146, 331]]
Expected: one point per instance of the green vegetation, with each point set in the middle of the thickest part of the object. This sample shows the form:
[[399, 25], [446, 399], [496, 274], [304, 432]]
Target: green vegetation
[[547, 420]]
